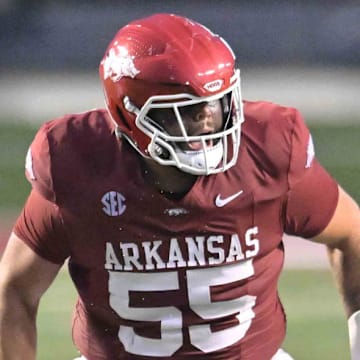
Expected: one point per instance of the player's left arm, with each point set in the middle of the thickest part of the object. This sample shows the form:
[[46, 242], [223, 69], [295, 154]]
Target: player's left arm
[[342, 237], [317, 208]]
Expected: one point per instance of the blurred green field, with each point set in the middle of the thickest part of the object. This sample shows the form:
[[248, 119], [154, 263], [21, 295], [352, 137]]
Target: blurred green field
[[317, 328], [316, 324]]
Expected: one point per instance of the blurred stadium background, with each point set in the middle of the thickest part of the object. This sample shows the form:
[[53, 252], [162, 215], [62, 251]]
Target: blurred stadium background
[[300, 53]]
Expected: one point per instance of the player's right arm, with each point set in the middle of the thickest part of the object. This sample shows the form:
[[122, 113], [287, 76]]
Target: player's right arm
[[35, 252], [24, 277]]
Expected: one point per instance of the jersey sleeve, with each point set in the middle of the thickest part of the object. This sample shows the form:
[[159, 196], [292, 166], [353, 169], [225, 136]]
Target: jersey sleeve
[[313, 194], [38, 165], [41, 227]]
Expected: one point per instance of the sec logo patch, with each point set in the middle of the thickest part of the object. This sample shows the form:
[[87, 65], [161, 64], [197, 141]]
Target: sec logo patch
[[114, 203]]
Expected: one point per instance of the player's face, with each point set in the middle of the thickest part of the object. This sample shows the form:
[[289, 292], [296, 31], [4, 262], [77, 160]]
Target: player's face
[[200, 119]]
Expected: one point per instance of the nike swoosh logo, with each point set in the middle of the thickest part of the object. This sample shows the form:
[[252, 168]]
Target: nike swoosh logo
[[219, 202]]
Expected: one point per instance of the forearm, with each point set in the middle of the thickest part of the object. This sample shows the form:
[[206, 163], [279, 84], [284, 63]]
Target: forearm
[[17, 328], [24, 277], [346, 267], [342, 237], [345, 272], [345, 263]]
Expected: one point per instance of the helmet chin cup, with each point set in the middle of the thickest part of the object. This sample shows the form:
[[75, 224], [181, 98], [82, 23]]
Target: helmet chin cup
[[202, 161]]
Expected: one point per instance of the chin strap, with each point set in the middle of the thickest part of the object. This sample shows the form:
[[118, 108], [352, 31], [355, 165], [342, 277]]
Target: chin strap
[[354, 335]]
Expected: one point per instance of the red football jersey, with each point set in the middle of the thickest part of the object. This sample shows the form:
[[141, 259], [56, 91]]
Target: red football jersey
[[159, 278]]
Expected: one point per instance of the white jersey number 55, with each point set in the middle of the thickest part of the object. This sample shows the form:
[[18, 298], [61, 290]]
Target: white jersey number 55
[[199, 284]]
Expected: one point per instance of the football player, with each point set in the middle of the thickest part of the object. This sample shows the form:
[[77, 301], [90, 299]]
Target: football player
[[170, 206]]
